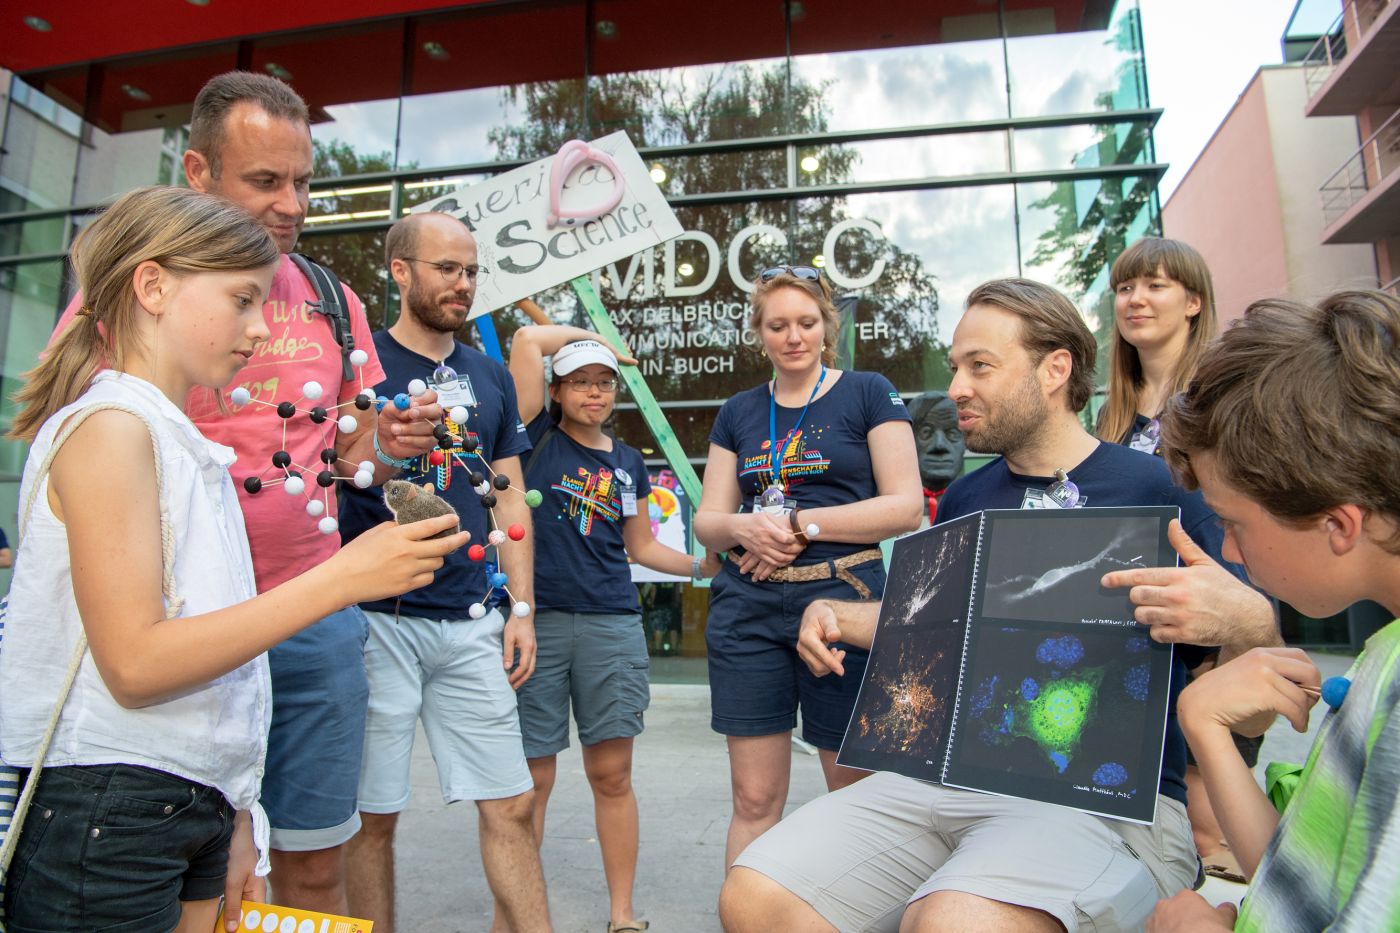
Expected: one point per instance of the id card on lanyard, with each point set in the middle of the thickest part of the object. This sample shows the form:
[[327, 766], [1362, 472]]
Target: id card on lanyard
[[774, 499]]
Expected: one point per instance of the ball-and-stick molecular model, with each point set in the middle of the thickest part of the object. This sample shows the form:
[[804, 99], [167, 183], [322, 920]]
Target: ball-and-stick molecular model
[[455, 445], [292, 476]]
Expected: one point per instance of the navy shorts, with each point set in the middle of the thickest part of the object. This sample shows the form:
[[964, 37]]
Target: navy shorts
[[116, 848], [320, 700], [757, 681]]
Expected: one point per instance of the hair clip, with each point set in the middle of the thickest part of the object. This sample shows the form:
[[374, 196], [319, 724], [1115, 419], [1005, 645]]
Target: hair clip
[[571, 155], [85, 311]]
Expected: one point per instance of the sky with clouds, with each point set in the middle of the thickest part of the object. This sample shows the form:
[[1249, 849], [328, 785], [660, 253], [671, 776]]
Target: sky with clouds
[[1200, 56]]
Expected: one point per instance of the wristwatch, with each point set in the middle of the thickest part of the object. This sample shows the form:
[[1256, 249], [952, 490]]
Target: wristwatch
[[695, 568]]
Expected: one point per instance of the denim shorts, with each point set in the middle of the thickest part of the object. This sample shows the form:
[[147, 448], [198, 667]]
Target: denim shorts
[[757, 681], [116, 848], [319, 699], [595, 661]]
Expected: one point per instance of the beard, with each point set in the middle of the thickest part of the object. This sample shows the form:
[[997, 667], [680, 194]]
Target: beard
[[428, 308], [1012, 424]]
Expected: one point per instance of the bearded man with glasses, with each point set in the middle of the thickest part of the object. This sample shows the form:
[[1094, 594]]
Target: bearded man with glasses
[[426, 656]]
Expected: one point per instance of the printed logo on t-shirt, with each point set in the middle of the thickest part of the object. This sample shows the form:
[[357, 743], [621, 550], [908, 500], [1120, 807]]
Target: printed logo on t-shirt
[[591, 496], [896, 400], [798, 461]]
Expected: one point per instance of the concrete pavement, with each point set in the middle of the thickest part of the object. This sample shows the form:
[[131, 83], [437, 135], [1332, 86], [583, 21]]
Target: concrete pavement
[[681, 774]]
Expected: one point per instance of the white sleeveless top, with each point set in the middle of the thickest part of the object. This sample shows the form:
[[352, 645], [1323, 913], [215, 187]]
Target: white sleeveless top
[[215, 734]]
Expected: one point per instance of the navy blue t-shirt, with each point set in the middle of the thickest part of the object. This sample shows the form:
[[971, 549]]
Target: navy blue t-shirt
[[1110, 476], [827, 461], [580, 557], [488, 393]]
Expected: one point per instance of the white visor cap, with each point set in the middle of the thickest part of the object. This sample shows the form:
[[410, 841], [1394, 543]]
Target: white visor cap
[[582, 353]]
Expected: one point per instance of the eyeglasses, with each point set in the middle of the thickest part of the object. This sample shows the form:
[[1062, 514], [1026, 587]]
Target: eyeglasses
[[809, 273], [606, 386], [451, 271]]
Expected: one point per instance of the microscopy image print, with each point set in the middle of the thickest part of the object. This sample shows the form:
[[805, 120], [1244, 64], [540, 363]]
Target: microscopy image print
[[1050, 570], [930, 574], [900, 722], [1073, 716]]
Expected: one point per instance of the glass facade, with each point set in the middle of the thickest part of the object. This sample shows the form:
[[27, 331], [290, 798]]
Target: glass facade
[[913, 150]]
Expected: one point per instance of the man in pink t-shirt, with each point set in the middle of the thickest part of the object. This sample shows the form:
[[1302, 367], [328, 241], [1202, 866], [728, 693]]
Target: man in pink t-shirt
[[250, 142]]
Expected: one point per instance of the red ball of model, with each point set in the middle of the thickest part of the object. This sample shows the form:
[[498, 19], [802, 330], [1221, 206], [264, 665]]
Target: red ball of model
[[436, 457], [516, 532], [476, 552]]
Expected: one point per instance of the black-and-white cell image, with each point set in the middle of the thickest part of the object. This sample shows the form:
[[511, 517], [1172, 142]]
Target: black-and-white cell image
[[1048, 567], [930, 574]]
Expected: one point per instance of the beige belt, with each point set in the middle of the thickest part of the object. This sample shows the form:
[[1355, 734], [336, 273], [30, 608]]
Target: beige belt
[[838, 568]]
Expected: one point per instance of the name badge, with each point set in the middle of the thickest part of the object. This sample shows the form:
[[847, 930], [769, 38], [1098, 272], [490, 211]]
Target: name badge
[[789, 503], [629, 502], [1143, 442], [450, 396]]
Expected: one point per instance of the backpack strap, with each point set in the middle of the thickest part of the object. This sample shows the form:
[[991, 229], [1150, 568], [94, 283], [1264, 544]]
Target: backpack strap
[[330, 301], [550, 433]]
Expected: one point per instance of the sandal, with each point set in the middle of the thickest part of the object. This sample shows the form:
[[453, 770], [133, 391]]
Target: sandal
[[628, 926]]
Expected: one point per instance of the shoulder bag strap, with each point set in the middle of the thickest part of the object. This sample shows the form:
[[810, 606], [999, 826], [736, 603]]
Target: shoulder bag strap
[[173, 603]]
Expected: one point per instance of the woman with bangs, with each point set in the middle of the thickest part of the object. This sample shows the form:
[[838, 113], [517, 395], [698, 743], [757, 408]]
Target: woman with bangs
[[806, 473], [1164, 305]]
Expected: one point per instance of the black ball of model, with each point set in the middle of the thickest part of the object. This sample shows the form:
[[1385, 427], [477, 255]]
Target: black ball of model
[[318, 415], [253, 485], [501, 481], [488, 501], [328, 455], [281, 459], [286, 409], [325, 478]]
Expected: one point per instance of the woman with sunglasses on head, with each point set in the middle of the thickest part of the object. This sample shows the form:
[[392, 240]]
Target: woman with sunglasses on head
[[591, 648], [1164, 305], [806, 473]]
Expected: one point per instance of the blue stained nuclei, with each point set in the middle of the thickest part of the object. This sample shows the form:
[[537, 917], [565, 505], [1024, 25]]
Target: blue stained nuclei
[[1136, 680], [982, 697], [1060, 761], [1136, 645], [1029, 689], [1064, 651], [1110, 774], [1008, 721]]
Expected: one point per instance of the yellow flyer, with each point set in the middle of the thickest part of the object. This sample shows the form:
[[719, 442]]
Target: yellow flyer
[[268, 918]]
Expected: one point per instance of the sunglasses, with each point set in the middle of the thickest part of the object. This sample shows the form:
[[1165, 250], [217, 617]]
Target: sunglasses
[[809, 273]]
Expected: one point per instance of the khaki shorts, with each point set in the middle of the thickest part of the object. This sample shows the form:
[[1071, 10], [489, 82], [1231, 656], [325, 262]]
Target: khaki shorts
[[860, 855]]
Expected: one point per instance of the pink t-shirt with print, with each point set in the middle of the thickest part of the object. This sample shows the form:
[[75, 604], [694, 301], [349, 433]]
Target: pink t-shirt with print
[[283, 538]]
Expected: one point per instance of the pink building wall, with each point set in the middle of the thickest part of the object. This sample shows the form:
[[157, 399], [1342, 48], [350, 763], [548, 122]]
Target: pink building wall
[[1227, 207]]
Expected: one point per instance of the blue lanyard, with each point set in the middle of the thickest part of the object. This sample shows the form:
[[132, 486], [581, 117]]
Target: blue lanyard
[[775, 457]]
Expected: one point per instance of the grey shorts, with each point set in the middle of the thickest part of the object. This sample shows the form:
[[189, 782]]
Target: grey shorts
[[860, 855], [594, 661], [449, 672]]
